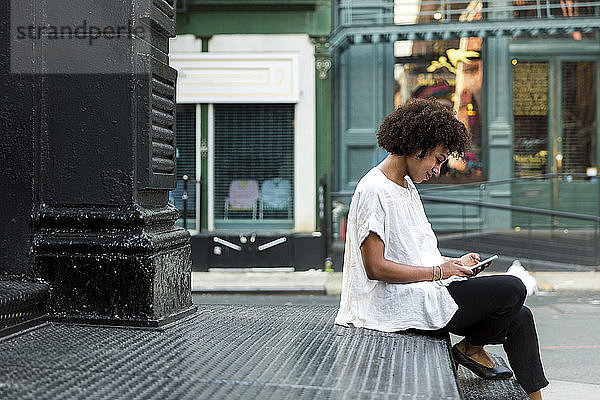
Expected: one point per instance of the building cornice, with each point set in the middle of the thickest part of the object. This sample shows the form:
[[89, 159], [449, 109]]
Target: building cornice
[[346, 35]]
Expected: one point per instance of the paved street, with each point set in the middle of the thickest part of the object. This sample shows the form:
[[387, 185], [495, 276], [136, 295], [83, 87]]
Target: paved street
[[568, 326]]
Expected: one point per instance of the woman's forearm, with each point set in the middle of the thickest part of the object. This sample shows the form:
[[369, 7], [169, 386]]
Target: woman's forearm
[[379, 268], [390, 271]]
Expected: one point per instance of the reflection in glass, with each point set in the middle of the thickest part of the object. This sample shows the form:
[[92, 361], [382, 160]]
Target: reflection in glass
[[449, 71], [530, 110], [578, 107]]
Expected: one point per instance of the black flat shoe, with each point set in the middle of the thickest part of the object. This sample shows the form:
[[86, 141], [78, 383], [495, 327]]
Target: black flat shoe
[[497, 372]]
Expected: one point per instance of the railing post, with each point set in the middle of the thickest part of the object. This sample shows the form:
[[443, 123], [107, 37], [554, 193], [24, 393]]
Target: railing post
[[597, 180], [323, 213], [444, 10], [479, 208], [464, 222], [596, 240], [199, 204], [554, 201], [184, 197]]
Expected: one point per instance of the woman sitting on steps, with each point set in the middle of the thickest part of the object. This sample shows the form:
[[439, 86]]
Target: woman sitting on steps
[[394, 275]]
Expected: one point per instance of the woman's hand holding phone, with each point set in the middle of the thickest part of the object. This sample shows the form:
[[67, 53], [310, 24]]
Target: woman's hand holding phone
[[480, 266], [454, 267], [463, 266], [470, 259]]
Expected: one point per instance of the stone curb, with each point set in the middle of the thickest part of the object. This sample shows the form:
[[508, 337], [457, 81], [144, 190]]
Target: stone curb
[[330, 283]]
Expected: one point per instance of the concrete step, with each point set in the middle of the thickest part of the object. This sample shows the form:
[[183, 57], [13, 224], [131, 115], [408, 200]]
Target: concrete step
[[22, 305], [252, 281]]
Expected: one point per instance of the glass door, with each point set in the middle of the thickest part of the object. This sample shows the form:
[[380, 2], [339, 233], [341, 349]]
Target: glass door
[[531, 111], [575, 147], [555, 131], [554, 108]]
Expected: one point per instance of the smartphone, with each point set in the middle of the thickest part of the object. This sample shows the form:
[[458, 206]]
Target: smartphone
[[481, 265]]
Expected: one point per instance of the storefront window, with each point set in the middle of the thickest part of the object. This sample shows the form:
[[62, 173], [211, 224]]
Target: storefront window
[[451, 72], [254, 166]]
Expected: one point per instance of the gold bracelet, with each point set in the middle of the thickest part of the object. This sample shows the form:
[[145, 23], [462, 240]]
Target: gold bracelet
[[433, 273]]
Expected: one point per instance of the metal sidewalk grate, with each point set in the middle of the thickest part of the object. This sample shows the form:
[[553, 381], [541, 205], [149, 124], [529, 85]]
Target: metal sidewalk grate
[[227, 351], [475, 388]]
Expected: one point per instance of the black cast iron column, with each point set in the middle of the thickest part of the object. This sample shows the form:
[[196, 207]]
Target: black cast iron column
[[103, 231], [17, 120]]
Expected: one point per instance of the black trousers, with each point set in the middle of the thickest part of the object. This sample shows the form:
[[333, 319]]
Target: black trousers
[[491, 311]]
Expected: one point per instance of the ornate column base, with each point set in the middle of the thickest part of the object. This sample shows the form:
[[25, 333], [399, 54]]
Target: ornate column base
[[118, 266]]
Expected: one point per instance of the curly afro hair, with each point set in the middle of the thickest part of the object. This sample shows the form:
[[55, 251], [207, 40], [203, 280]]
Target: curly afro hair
[[419, 126]]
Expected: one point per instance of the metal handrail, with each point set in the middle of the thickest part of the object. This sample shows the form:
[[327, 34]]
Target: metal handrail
[[483, 184], [530, 210], [341, 194], [502, 181], [480, 183], [427, 8]]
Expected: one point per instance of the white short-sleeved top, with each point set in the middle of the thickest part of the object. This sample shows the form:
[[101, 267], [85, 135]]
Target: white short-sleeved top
[[396, 215]]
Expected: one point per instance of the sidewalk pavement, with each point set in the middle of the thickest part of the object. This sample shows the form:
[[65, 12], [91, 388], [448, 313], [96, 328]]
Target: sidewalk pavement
[[263, 280], [284, 280], [561, 390]]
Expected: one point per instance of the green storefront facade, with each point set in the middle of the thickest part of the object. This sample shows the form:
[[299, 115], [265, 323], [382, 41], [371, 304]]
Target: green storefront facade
[[522, 75], [294, 33]]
